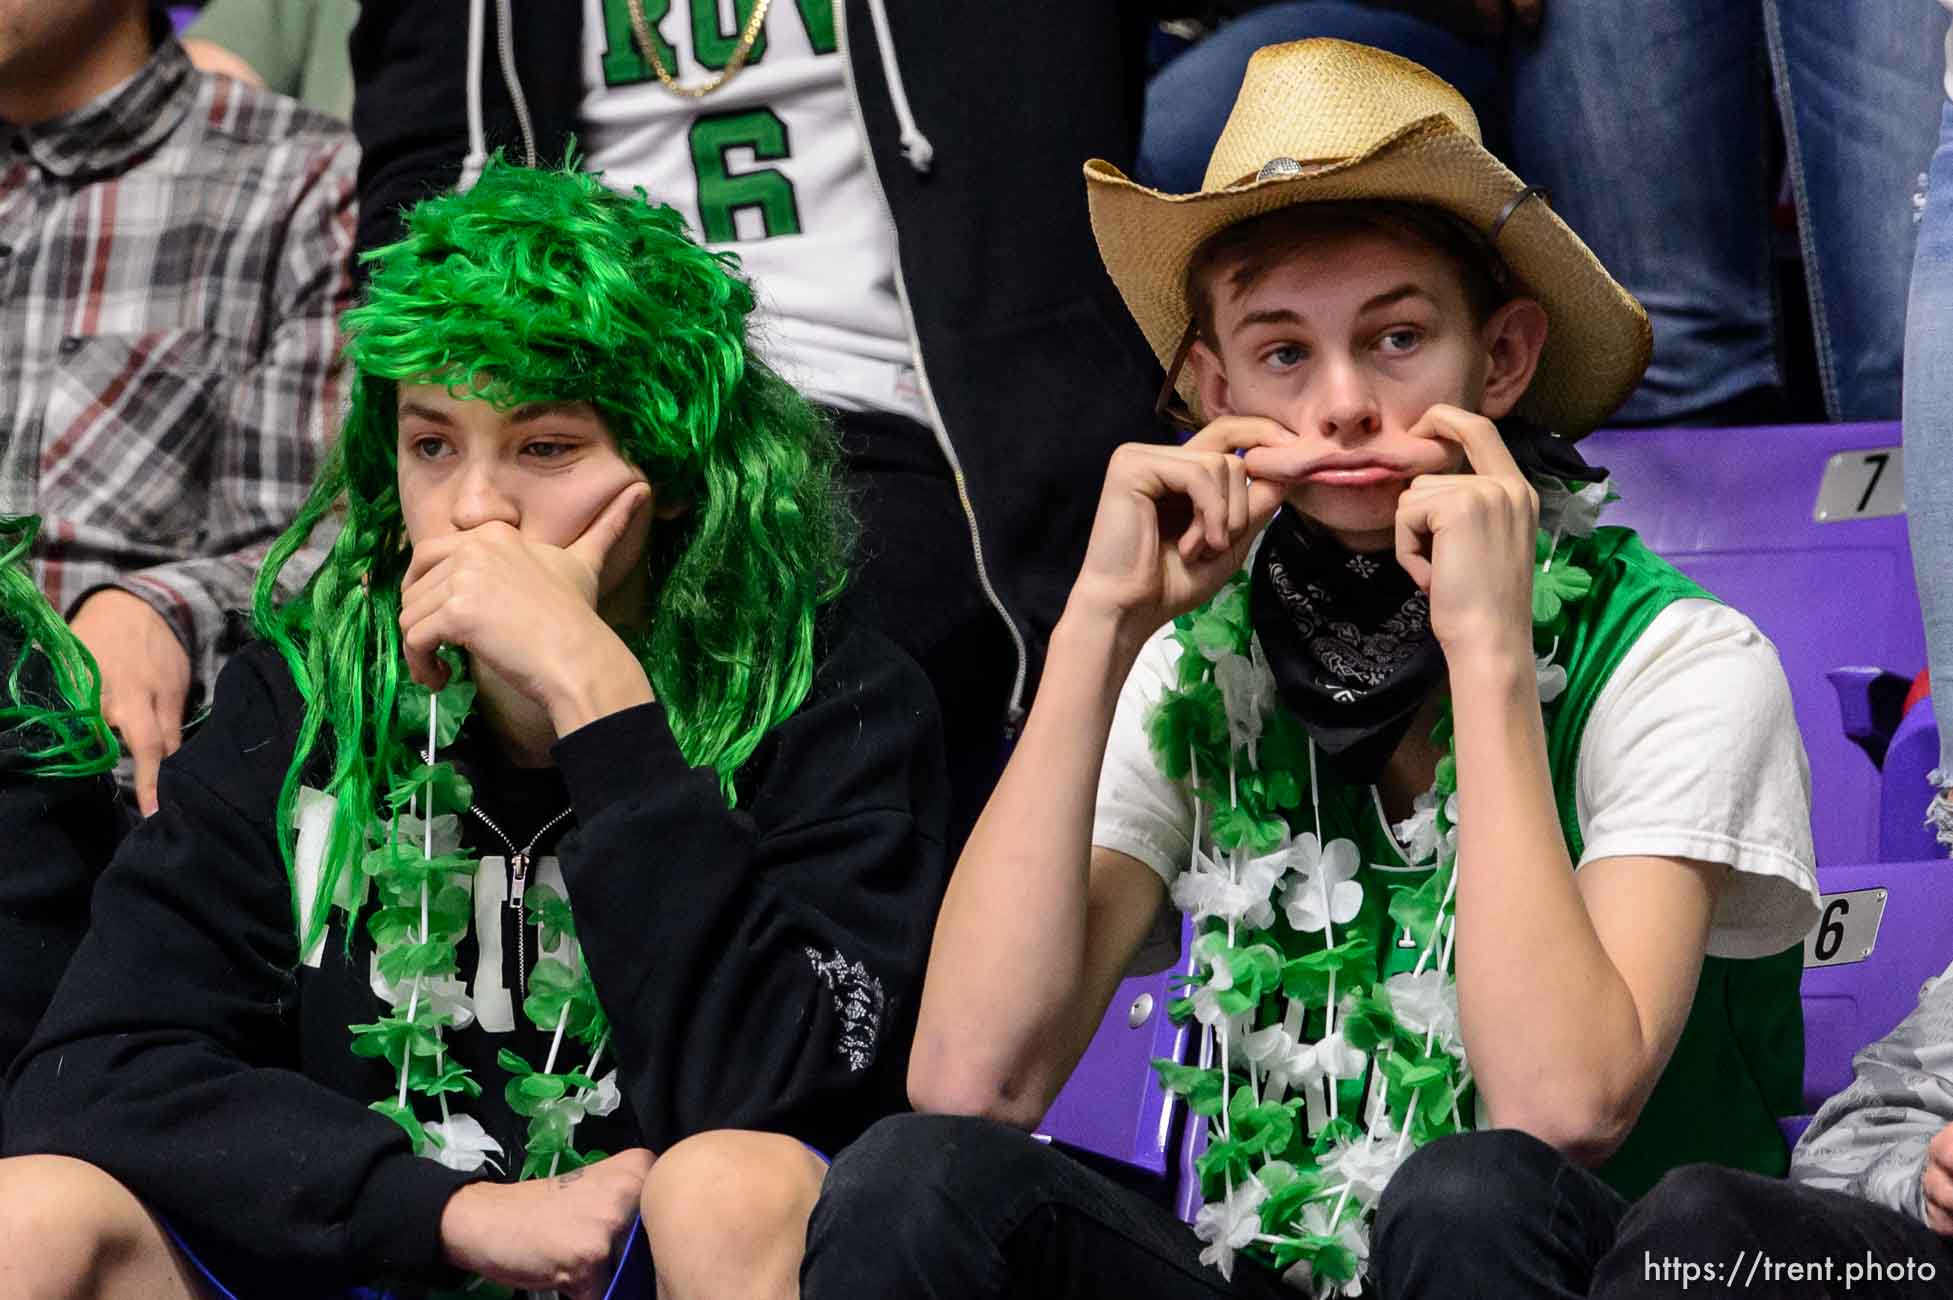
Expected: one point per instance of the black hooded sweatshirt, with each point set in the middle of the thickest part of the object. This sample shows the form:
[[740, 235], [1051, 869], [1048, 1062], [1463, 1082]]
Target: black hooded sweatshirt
[[760, 967]]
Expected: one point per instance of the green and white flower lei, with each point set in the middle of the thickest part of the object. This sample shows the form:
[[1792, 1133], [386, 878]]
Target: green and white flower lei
[[424, 887], [1290, 1179]]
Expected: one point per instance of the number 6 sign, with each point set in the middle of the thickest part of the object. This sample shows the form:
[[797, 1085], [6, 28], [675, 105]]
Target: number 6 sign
[[1846, 929]]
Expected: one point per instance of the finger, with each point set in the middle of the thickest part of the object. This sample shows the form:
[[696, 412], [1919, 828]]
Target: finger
[[1937, 1185], [169, 717], [1484, 448], [1237, 498], [432, 575], [593, 544], [1528, 13], [1233, 433], [144, 740], [419, 644], [430, 553], [1201, 480], [428, 595], [1491, 16], [1412, 539]]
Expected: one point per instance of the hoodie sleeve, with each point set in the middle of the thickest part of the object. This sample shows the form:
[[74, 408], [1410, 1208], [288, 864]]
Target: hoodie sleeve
[[169, 1058], [761, 966]]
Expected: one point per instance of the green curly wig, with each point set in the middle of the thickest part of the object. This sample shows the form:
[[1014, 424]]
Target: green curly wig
[[51, 708], [544, 285]]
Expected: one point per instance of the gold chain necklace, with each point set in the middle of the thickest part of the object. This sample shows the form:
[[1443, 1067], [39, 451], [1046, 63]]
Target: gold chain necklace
[[648, 47]]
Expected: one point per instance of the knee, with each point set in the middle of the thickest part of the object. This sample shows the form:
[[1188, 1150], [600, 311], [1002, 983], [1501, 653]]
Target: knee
[[1702, 1203], [911, 1178], [67, 1224], [1469, 1182], [729, 1205]]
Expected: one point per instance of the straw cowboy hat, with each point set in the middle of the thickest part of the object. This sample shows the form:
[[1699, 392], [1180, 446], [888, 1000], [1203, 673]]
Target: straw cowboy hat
[[1324, 120]]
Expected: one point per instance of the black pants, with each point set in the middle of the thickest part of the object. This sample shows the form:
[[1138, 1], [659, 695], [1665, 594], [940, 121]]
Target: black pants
[[937, 1207], [1501, 1214], [915, 581]]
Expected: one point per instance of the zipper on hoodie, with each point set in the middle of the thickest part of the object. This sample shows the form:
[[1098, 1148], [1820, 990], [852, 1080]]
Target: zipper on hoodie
[[1014, 713], [520, 861]]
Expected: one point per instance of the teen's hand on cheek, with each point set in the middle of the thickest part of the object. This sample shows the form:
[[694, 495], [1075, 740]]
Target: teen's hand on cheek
[[1173, 523], [547, 1233], [1467, 540], [528, 611]]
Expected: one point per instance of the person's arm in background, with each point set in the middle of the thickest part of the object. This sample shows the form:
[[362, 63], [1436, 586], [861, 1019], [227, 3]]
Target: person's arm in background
[[293, 47], [161, 629], [256, 41], [1888, 1138]]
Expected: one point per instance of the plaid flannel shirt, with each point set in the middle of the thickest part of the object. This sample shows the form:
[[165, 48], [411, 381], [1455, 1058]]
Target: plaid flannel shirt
[[174, 257]]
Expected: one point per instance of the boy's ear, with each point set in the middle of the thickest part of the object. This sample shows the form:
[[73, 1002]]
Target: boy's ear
[[1210, 381], [1513, 337]]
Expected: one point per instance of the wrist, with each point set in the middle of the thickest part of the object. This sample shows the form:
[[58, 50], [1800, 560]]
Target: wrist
[[458, 1218], [1491, 666], [1103, 625], [602, 679], [1100, 635]]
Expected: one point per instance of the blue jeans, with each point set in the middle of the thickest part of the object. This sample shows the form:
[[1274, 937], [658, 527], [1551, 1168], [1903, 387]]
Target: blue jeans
[[1929, 428], [1646, 121], [1187, 101]]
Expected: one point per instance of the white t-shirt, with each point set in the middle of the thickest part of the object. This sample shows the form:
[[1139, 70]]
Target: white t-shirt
[[1691, 751], [771, 166]]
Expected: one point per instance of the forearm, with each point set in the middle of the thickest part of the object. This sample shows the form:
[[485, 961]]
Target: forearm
[[1550, 1026], [1000, 1015], [790, 939]]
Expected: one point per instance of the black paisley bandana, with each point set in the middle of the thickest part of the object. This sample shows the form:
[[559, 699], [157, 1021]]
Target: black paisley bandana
[[1348, 638]]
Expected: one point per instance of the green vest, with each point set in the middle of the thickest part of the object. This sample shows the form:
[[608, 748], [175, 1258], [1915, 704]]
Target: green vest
[[1739, 1062]]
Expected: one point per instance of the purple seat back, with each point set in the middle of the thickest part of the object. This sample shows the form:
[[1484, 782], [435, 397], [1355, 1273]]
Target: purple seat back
[[1903, 834], [1852, 1003], [1113, 1104], [1734, 509]]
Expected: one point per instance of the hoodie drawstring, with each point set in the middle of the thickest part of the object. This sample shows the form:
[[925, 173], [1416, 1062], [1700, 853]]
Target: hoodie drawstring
[[477, 156], [915, 145]]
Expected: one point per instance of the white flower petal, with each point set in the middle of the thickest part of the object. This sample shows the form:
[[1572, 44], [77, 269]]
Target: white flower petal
[[1340, 860], [1345, 901], [464, 1144]]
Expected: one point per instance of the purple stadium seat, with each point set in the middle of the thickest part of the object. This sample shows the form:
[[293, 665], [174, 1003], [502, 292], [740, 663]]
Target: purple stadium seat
[[1738, 510], [1913, 751], [1886, 928], [1113, 1104]]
